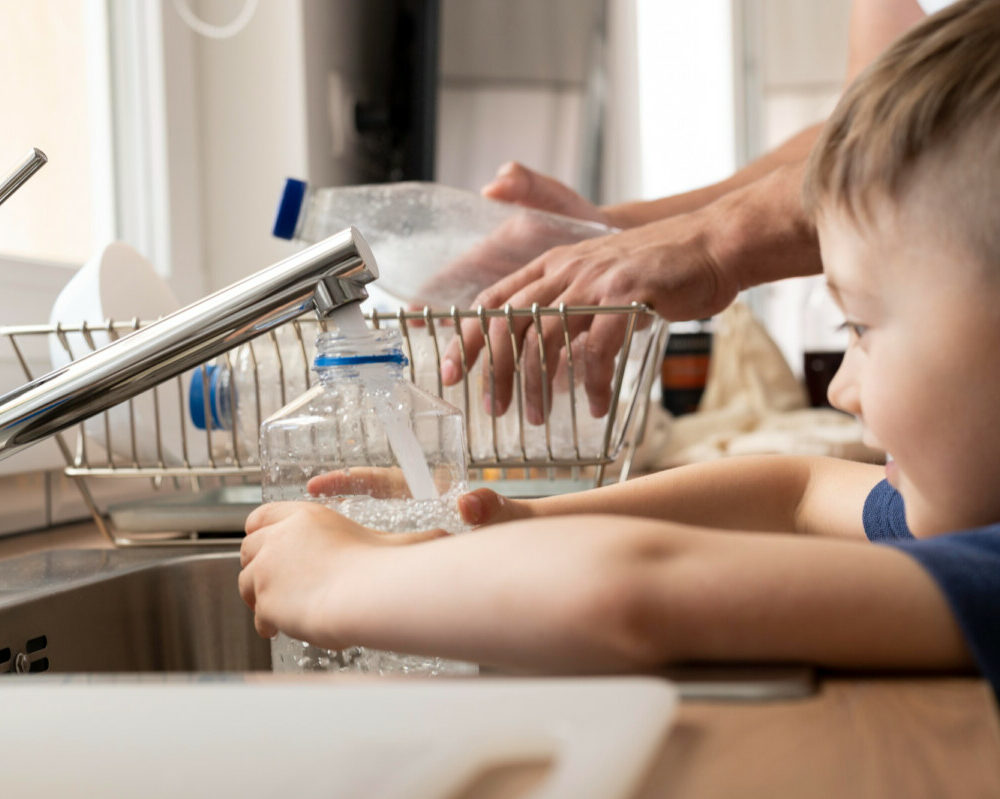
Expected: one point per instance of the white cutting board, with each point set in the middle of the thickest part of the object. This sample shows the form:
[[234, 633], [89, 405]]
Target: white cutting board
[[260, 737]]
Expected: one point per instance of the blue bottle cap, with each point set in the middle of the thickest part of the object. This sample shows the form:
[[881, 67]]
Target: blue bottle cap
[[196, 397], [288, 208]]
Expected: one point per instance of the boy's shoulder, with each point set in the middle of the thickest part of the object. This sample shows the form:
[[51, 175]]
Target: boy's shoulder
[[965, 565]]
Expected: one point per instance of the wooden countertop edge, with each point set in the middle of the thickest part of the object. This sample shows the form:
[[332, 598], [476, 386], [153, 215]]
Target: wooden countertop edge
[[859, 736]]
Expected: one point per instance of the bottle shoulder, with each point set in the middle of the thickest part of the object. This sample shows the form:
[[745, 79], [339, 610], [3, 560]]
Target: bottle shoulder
[[336, 400]]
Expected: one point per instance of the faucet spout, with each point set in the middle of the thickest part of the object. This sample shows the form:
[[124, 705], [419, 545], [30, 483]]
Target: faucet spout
[[324, 276]]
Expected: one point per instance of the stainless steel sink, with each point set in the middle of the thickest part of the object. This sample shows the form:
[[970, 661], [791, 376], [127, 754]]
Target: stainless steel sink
[[149, 610], [126, 611]]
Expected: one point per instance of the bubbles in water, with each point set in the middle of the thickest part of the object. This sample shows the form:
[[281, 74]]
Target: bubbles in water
[[390, 516], [403, 515]]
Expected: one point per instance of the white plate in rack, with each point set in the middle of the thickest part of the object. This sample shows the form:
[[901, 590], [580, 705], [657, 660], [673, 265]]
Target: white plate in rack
[[261, 736]]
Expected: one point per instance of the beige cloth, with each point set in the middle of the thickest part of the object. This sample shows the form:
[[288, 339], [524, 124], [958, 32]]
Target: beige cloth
[[753, 404]]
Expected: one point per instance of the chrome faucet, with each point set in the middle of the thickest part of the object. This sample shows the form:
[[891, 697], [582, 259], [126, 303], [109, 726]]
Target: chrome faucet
[[323, 277], [34, 161]]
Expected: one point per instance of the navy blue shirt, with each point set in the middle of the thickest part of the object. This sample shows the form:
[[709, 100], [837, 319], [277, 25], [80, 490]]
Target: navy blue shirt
[[965, 564]]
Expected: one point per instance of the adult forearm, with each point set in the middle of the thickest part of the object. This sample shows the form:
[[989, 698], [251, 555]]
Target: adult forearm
[[761, 233], [632, 214]]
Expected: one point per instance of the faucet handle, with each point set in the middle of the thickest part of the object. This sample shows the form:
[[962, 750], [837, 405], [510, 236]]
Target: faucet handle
[[347, 283], [334, 292]]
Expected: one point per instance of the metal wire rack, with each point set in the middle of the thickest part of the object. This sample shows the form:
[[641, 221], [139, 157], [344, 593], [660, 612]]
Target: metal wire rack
[[152, 437]]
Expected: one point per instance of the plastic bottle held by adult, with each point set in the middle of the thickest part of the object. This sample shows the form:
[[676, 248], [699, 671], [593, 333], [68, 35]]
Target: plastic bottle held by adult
[[436, 245], [371, 445]]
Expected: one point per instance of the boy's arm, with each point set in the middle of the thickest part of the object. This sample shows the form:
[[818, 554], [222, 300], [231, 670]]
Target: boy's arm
[[813, 495], [596, 593]]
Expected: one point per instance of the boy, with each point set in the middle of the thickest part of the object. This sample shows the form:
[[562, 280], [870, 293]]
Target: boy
[[768, 558]]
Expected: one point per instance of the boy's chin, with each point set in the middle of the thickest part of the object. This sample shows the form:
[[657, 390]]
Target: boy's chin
[[920, 518], [924, 521]]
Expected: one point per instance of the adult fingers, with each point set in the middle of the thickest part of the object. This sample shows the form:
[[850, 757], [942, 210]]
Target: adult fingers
[[502, 352], [604, 341], [507, 340], [516, 183], [542, 344], [473, 337]]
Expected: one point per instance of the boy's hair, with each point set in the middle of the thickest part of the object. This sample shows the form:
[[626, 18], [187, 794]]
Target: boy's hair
[[934, 95]]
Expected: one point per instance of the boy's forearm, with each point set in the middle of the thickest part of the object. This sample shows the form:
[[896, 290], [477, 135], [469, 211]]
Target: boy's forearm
[[524, 595], [764, 493], [602, 593]]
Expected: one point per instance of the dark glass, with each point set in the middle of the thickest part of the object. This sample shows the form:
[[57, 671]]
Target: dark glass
[[685, 371], [819, 369]]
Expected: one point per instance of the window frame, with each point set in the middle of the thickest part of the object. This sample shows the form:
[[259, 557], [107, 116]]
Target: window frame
[[148, 140]]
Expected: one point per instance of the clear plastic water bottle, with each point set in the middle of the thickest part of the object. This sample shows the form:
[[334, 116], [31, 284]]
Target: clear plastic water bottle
[[436, 245], [237, 392], [378, 450]]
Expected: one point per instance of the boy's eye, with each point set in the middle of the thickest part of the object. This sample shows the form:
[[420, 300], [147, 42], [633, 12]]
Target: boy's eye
[[855, 329]]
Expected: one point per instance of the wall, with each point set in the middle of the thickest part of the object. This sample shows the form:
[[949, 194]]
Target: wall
[[797, 59], [513, 86], [803, 60], [252, 123]]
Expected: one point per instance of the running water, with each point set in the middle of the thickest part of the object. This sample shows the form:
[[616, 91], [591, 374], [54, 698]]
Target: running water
[[351, 322], [369, 398], [388, 515]]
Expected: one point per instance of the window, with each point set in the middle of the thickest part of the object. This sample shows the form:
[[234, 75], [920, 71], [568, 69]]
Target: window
[[60, 104]]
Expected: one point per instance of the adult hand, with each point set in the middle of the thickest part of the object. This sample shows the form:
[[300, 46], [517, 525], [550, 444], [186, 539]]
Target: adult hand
[[516, 183], [293, 556], [665, 265], [516, 241]]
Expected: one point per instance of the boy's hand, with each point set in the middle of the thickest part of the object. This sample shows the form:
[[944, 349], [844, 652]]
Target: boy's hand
[[485, 506], [293, 555], [480, 507]]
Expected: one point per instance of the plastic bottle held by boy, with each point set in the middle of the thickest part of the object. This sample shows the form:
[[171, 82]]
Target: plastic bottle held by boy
[[374, 447]]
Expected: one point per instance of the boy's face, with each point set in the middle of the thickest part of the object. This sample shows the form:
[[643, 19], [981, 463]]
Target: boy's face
[[921, 370]]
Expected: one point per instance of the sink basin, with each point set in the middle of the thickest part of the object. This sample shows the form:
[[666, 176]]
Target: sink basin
[[126, 611], [149, 610]]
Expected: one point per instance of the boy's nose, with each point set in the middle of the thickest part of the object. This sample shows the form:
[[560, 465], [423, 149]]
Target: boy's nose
[[843, 390]]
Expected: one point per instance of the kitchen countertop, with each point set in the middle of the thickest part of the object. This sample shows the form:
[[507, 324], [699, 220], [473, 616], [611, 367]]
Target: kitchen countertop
[[857, 736]]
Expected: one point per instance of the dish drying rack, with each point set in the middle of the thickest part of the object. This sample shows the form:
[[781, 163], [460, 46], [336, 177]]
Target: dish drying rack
[[208, 480]]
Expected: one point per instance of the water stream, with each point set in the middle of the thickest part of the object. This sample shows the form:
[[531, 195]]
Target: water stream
[[350, 320]]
